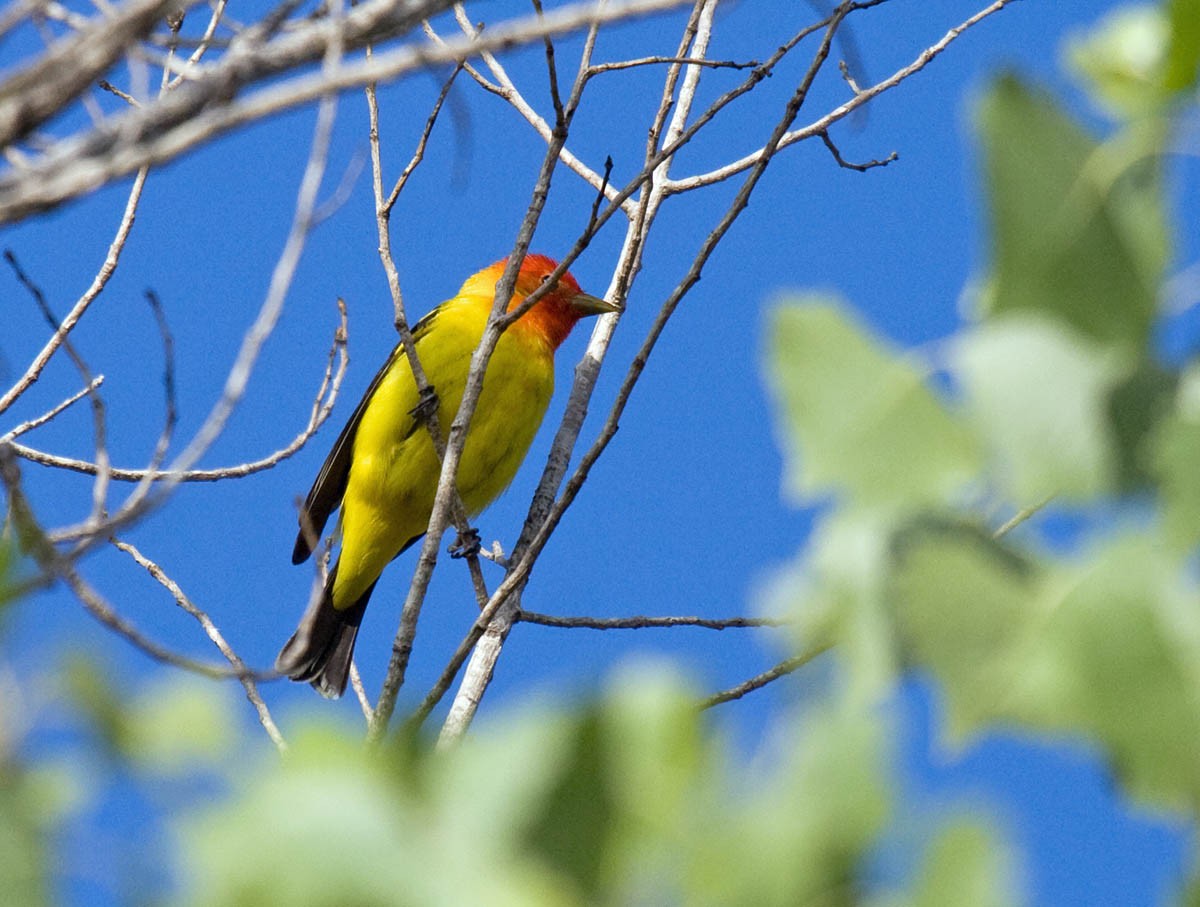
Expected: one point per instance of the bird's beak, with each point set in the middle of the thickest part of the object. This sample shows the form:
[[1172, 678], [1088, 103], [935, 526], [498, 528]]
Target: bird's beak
[[592, 305]]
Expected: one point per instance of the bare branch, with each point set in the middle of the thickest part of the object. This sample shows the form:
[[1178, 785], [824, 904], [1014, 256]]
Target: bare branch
[[171, 415], [203, 45], [446, 490], [534, 535], [100, 488], [31, 424], [821, 125], [600, 68], [33, 95], [419, 152], [331, 384], [861, 168], [360, 692], [642, 623], [171, 125], [505, 88], [551, 70], [785, 667], [54, 566], [81, 305], [210, 629], [125, 96]]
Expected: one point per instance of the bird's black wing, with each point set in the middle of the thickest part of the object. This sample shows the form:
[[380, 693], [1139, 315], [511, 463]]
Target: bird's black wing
[[330, 484]]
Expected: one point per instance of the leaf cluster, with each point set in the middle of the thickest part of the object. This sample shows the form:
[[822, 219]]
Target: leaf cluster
[[1056, 401]]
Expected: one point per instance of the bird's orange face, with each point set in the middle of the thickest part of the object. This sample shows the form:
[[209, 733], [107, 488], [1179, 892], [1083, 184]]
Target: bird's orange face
[[556, 313], [534, 272]]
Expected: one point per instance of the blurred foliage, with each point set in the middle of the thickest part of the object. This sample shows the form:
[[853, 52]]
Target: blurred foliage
[[1053, 390], [847, 397], [629, 801], [1057, 388]]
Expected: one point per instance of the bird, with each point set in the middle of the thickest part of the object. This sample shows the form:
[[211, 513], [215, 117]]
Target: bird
[[383, 469]]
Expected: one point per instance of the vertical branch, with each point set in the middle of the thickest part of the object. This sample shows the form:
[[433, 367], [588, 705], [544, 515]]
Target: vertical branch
[[486, 651], [383, 212], [490, 642], [406, 633]]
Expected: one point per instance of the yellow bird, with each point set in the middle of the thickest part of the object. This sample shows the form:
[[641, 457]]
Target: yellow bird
[[383, 470]]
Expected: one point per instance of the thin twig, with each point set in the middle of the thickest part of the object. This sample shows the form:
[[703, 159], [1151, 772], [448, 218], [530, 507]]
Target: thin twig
[[1021, 516], [785, 667], [360, 692], [210, 629], [55, 567], [99, 420], [638, 622], [203, 45], [599, 68], [862, 97], [171, 414], [65, 326], [31, 424], [849, 165], [419, 153], [322, 407]]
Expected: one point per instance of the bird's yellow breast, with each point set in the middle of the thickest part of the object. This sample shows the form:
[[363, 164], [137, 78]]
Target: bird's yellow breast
[[394, 472]]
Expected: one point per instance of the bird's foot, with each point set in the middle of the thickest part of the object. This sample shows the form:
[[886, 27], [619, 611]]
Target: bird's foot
[[427, 407], [467, 544]]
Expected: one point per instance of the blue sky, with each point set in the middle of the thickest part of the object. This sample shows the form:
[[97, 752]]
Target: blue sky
[[683, 514]]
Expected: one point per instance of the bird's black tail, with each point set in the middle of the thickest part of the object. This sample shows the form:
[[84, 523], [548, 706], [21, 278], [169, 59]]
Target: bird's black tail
[[320, 650]]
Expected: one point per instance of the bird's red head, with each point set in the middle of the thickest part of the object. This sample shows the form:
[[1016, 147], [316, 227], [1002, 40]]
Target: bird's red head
[[556, 313]]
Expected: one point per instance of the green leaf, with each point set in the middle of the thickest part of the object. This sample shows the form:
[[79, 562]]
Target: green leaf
[[966, 865], [337, 824], [1176, 455], [1123, 60], [1136, 408], [91, 690], [7, 564], [965, 605], [799, 835], [662, 781], [38, 795], [1183, 57], [859, 420], [24, 860], [1039, 395], [1129, 634], [653, 744], [179, 724], [1078, 233], [1106, 649], [836, 593], [574, 826], [328, 829]]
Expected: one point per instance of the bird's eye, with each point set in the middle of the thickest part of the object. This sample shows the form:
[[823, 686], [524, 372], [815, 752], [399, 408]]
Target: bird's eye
[[545, 277]]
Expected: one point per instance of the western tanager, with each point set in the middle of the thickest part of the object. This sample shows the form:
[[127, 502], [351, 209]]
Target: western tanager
[[383, 470]]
